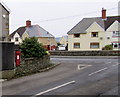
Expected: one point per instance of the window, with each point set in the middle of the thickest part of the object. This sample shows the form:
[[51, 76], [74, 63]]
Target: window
[[94, 45], [116, 33], [108, 37], [76, 45], [94, 34], [16, 38], [76, 35], [116, 45]]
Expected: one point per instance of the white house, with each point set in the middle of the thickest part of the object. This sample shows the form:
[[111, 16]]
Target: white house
[[44, 37], [95, 33]]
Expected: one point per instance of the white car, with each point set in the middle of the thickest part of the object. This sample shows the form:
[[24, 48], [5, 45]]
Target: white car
[[61, 47]]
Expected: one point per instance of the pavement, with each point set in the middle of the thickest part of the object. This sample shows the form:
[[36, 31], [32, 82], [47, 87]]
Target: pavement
[[2, 80], [87, 57], [113, 91]]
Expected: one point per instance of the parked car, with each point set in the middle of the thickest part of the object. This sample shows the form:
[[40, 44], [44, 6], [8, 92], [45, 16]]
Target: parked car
[[62, 47]]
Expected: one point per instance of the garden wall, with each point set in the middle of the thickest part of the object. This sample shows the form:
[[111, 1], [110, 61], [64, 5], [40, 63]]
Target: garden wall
[[85, 53], [32, 65]]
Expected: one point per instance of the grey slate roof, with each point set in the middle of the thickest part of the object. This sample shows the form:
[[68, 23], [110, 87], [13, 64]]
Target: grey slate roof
[[37, 31], [33, 31], [85, 23]]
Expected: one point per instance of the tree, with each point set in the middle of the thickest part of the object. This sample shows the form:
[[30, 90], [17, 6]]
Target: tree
[[58, 43], [32, 48]]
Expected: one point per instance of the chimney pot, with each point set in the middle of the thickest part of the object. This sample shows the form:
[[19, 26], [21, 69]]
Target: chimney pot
[[28, 23], [104, 14]]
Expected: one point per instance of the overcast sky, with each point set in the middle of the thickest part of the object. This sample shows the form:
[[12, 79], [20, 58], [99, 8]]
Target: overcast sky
[[57, 16]]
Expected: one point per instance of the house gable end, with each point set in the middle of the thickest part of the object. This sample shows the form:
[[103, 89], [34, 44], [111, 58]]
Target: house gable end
[[94, 27], [114, 26], [25, 35], [16, 35]]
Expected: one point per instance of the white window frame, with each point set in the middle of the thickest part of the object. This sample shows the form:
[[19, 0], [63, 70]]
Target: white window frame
[[75, 36], [116, 44], [16, 39], [94, 46], [116, 33], [76, 46], [94, 36]]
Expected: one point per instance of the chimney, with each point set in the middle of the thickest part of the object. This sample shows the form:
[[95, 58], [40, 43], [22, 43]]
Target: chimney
[[28, 23], [104, 14]]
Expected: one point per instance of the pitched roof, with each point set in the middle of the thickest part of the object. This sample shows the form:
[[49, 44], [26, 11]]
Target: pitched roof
[[20, 31], [4, 6], [111, 20], [86, 22], [65, 37], [33, 31], [37, 31]]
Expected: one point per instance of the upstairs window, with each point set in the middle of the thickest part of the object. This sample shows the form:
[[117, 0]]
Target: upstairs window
[[116, 33], [94, 45], [76, 35], [16, 39], [94, 34], [76, 45]]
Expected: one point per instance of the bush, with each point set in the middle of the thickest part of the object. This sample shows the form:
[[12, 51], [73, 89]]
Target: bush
[[32, 48], [108, 47]]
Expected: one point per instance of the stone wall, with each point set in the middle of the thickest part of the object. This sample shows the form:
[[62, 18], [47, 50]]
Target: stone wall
[[32, 65], [85, 53]]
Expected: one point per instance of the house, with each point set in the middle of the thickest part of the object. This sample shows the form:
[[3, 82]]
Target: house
[[95, 33], [58, 39], [64, 40], [62, 43], [19, 35], [44, 37], [4, 22]]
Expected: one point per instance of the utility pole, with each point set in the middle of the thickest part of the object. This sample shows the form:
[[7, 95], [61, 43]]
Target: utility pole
[[49, 39]]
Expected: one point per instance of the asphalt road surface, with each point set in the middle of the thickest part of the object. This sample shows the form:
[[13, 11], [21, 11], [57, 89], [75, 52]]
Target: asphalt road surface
[[74, 76]]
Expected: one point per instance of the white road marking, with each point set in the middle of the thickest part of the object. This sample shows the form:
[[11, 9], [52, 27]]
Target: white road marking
[[108, 62], [97, 71], [115, 65], [71, 82], [80, 67]]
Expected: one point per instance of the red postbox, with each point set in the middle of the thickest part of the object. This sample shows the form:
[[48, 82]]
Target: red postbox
[[17, 58]]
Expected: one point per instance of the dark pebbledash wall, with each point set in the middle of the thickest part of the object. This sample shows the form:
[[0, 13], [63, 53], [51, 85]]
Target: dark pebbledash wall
[[86, 53], [7, 55]]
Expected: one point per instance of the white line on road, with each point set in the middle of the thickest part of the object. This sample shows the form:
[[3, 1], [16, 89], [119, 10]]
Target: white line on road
[[108, 62], [115, 65], [71, 82], [97, 71], [80, 67]]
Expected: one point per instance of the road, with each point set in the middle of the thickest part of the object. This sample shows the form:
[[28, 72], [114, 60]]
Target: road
[[74, 76]]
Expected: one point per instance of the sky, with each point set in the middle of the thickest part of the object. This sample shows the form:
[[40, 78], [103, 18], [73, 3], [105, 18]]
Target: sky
[[57, 16]]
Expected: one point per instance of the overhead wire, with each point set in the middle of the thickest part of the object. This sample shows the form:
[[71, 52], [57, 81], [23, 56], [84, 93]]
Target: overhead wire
[[72, 16]]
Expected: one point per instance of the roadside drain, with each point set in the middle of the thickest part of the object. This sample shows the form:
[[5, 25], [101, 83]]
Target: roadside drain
[[82, 66]]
